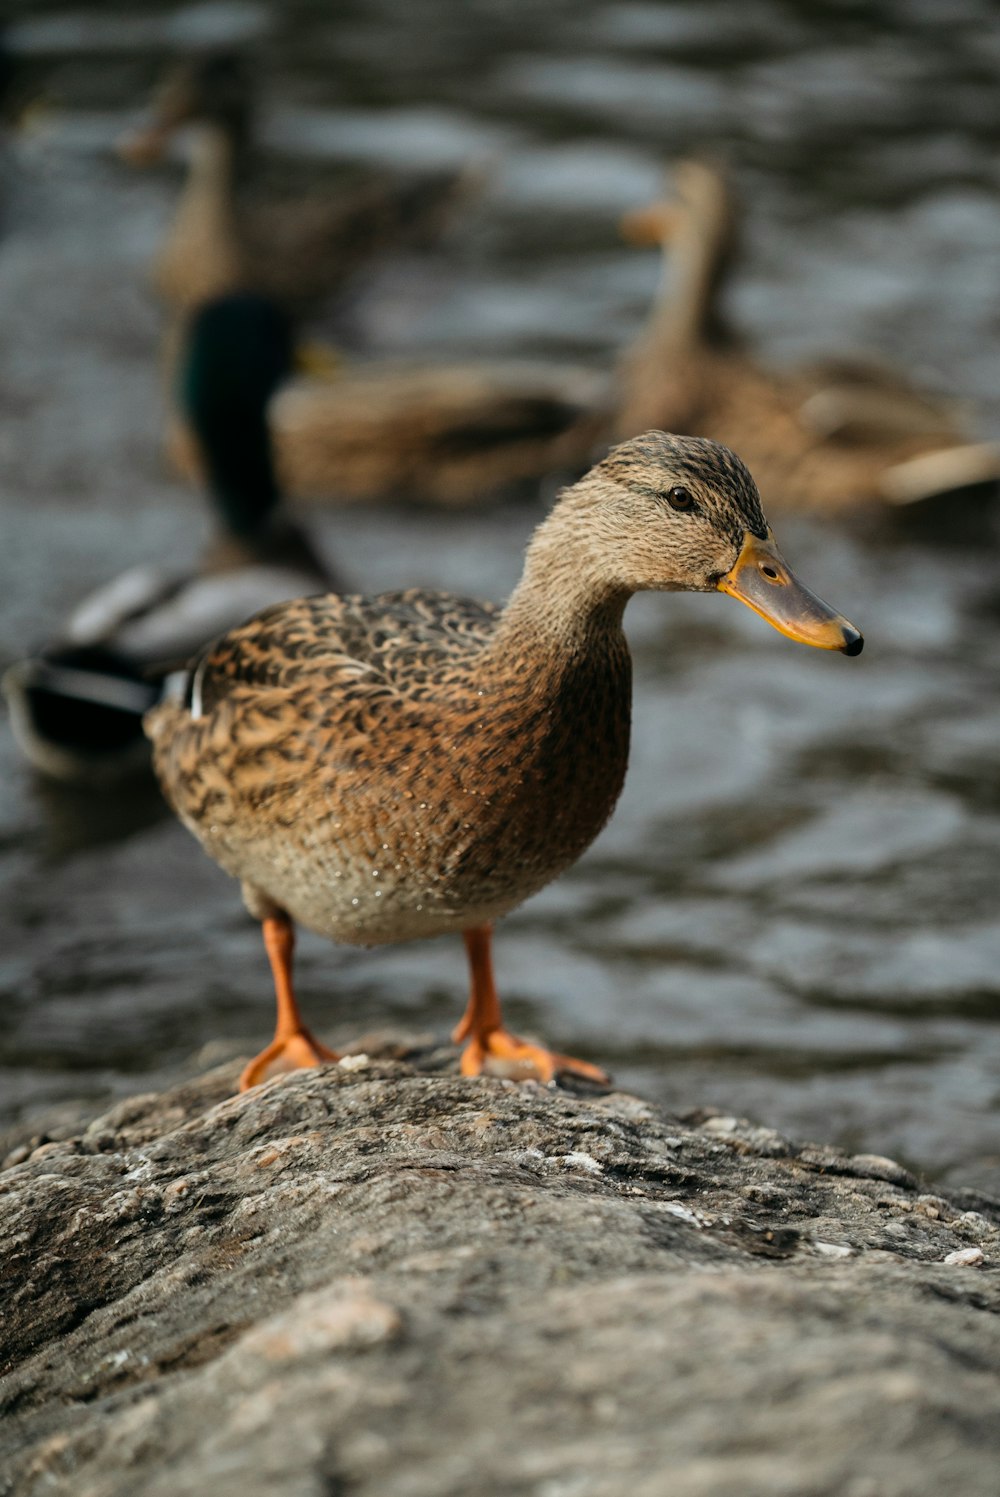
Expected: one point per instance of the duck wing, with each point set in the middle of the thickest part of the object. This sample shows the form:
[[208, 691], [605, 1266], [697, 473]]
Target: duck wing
[[354, 643], [315, 684]]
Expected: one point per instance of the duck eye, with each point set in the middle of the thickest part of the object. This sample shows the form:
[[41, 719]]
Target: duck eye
[[680, 498]]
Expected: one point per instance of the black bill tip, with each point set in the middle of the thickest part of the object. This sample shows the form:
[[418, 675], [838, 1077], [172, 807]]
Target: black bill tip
[[854, 642]]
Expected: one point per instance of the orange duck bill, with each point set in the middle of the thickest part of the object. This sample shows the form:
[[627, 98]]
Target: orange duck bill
[[764, 582]]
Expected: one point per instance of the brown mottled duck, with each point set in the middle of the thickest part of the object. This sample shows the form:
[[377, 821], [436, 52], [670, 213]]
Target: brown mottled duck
[[225, 237], [390, 768], [448, 435], [827, 437]]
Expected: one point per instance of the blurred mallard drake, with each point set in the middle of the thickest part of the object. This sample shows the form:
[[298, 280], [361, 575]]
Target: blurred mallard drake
[[389, 768], [830, 436], [225, 237], [76, 705]]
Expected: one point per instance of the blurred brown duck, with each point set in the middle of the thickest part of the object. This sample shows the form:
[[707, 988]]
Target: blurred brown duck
[[390, 768], [447, 434], [827, 437], [224, 237]]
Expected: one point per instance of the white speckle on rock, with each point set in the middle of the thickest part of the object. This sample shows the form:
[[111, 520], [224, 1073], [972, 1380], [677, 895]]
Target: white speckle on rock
[[576, 1160], [721, 1125], [966, 1257], [354, 1062], [833, 1249], [684, 1213]]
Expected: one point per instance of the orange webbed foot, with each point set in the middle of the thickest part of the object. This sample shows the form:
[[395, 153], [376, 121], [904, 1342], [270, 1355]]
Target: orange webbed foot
[[504, 1053], [293, 1053]]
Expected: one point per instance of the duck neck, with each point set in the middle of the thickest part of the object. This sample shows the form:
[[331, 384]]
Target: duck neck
[[695, 260], [217, 161], [566, 605], [239, 348], [240, 466], [203, 256]]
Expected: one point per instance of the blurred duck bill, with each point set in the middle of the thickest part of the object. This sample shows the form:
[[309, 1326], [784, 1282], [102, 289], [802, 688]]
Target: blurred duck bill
[[763, 580]]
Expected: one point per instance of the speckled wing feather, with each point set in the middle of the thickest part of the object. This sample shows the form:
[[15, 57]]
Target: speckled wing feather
[[318, 680], [357, 642]]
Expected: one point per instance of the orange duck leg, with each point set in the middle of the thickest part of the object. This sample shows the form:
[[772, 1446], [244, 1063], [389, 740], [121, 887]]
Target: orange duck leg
[[487, 1040], [293, 1046]]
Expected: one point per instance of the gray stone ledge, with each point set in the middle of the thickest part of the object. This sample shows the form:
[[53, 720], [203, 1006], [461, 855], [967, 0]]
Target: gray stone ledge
[[383, 1279]]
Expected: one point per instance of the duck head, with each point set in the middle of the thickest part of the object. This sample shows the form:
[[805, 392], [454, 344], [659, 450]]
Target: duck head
[[211, 90], [697, 194], [682, 514]]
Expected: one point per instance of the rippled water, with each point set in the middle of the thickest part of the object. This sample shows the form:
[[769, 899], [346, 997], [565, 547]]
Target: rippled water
[[794, 911]]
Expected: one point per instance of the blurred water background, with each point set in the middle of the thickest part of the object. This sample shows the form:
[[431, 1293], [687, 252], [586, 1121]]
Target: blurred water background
[[794, 913]]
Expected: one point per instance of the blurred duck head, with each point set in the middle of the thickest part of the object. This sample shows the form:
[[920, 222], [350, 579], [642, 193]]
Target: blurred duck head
[[212, 90]]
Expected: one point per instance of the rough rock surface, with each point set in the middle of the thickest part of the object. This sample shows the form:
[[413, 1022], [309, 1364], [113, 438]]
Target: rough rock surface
[[373, 1279]]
